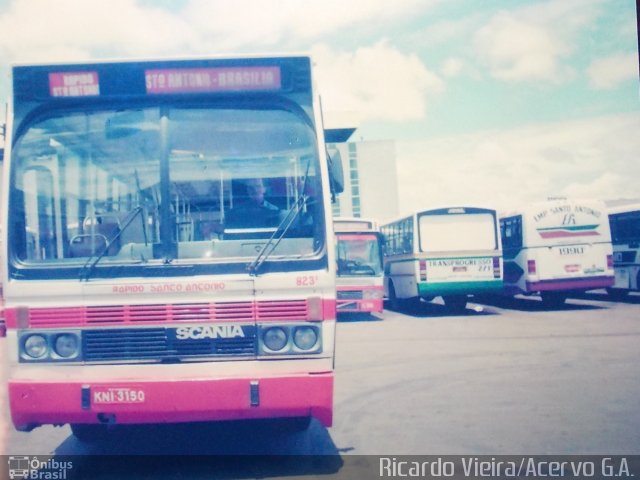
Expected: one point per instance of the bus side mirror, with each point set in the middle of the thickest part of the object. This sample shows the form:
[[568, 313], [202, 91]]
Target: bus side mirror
[[336, 173]]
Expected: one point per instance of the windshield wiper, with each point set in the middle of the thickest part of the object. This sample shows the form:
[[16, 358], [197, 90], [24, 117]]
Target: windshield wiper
[[283, 227], [91, 262], [278, 235]]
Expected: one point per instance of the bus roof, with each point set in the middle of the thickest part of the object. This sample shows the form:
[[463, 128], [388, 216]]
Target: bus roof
[[623, 206], [445, 209], [113, 80], [542, 204], [167, 58], [355, 224]]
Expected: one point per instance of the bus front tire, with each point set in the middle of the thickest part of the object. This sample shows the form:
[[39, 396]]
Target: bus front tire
[[394, 302], [89, 432]]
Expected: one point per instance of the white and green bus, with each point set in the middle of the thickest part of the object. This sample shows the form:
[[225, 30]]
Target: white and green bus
[[450, 252]]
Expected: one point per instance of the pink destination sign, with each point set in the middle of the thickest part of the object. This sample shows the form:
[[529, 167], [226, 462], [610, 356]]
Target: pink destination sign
[[212, 79], [74, 84]]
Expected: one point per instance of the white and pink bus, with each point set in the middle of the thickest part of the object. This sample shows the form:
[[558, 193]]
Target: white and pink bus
[[360, 282], [557, 247], [168, 244]]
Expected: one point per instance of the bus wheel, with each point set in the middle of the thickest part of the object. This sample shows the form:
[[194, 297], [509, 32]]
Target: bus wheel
[[394, 302], [457, 303], [89, 432], [553, 299], [617, 293], [411, 303]]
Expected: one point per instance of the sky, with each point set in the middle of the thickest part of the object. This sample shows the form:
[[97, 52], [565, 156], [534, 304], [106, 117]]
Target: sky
[[490, 102]]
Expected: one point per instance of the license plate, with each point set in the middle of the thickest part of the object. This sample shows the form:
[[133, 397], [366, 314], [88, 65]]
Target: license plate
[[366, 306], [117, 395]]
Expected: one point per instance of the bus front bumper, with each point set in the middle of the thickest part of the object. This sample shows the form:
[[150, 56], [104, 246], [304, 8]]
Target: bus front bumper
[[35, 403]]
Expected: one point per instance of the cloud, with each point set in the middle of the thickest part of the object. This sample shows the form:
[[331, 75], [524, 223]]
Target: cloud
[[608, 182], [37, 30], [532, 42], [69, 30], [378, 81], [452, 67], [224, 25], [595, 158], [446, 31], [609, 72], [517, 50]]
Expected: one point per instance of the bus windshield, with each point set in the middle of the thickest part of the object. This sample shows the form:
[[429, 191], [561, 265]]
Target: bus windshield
[[358, 255], [468, 231], [164, 183]]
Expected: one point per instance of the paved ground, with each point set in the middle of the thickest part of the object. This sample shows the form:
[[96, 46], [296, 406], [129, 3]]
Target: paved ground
[[503, 378]]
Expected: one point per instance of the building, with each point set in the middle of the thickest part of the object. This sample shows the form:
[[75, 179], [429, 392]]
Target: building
[[371, 180]]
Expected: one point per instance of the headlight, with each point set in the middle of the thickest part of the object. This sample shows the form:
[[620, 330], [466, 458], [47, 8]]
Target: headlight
[[275, 338], [305, 338], [36, 346], [372, 294], [66, 345]]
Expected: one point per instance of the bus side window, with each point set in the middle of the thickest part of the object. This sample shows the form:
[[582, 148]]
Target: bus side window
[[511, 232]]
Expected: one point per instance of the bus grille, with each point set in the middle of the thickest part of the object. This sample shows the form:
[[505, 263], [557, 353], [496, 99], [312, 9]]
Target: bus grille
[[188, 312], [157, 344], [281, 310], [170, 313]]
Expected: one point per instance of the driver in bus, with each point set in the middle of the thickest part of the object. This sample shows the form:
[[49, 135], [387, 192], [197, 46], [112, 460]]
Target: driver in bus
[[356, 256], [255, 211]]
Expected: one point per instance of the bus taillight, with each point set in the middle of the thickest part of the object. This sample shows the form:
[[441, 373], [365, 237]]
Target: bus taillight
[[423, 270], [531, 267], [609, 261], [496, 267]]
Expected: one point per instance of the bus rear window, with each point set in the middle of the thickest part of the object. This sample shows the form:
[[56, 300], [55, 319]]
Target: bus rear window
[[625, 227], [441, 233]]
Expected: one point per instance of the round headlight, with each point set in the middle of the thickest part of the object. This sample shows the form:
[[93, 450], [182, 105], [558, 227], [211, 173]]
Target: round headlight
[[36, 346], [66, 345], [305, 338], [275, 338]]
